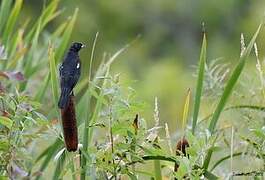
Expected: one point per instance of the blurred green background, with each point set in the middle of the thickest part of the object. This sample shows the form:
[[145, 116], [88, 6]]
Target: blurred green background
[[160, 62]]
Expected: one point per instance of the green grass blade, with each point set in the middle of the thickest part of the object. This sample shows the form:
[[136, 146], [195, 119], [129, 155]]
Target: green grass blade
[[49, 153], [210, 176], [55, 145], [12, 20], [4, 12], [87, 121], [54, 78], [99, 103], [103, 67], [208, 158], [46, 16], [231, 82], [223, 159], [59, 30], [66, 37], [249, 107], [199, 86]]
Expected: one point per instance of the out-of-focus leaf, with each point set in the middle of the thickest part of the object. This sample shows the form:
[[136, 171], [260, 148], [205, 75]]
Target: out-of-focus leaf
[[48, 153], [4, 12], [12, 20], [3, 177], [259, 132], [60, 164], [13, 62], [46, 16], [5, 121], [3, 145]]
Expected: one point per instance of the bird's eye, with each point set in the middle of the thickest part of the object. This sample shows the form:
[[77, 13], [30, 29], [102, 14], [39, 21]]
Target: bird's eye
[[78, 65]]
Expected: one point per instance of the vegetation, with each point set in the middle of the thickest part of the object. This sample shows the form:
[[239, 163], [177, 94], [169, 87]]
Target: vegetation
[[116, 141]]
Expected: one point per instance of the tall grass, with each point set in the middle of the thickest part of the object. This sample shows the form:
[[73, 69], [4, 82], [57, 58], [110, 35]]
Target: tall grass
[[104, 105]]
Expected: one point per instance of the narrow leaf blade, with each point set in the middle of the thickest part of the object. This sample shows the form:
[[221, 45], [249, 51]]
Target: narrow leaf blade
[[199, 86]]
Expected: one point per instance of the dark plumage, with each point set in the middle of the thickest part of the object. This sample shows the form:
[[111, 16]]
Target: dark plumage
[[69, 125], [70, 71]]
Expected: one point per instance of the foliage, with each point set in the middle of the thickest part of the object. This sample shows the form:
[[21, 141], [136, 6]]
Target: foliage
[[116, 141]]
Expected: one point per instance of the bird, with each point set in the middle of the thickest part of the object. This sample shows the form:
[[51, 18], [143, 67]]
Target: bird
[[69, 72]]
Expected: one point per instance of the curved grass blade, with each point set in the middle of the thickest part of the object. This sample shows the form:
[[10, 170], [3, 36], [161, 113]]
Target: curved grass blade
[[55, 145], [199, 86], [223, 159], [231, 82]]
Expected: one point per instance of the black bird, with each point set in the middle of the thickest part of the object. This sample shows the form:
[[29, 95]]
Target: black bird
[[70, 71]]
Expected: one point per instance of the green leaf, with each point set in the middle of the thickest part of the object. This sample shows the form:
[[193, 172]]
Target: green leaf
[[259, 132], [3, 177], [209, 155], [199, 86], [231, 82], [4, 145], [4, 12], [6, 122], [12, 20]]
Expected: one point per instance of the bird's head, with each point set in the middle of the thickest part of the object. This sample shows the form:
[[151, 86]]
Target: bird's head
[[77, 46]]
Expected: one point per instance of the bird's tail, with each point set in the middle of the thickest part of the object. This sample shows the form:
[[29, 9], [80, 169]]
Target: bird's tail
[[64, 98], [69, 125]]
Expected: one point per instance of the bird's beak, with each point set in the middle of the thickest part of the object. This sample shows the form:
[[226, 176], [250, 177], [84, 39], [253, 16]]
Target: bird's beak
[[83, 46]]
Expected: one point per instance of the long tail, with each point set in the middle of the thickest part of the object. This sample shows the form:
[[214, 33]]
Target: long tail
[[64, 98], [69, 125]]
